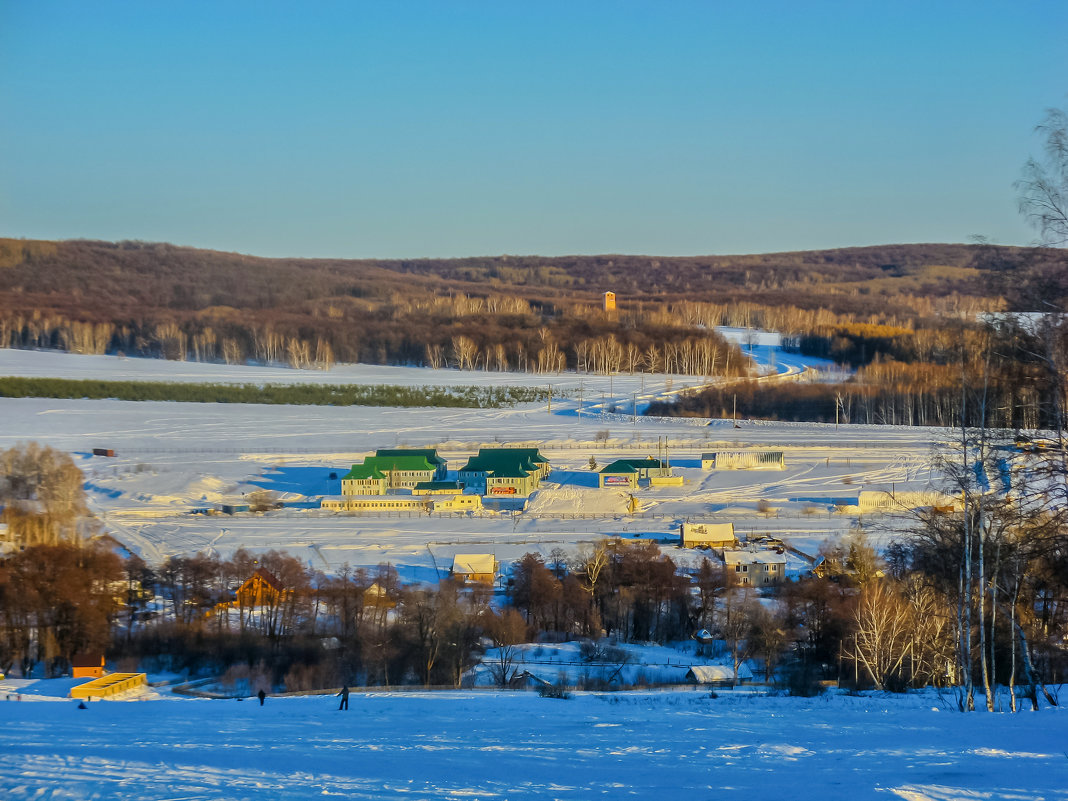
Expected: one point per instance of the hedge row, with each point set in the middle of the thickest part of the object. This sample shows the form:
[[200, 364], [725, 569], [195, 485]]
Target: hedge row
[[288, 394]]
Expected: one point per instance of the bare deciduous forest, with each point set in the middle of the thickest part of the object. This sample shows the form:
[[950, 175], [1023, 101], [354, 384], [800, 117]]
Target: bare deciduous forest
[[907, 303]]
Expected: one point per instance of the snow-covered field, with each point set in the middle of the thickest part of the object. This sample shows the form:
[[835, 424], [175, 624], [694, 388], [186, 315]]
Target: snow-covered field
[[173, 458], [492, 745]]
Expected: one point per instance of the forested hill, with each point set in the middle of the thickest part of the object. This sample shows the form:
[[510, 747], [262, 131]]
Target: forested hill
[[501, 312], [109, 278]]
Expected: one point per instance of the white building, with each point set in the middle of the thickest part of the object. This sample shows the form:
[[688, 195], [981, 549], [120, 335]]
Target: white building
[[755, 567]]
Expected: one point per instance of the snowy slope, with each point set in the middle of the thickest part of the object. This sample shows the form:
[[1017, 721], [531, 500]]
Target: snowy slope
[[490, 745]]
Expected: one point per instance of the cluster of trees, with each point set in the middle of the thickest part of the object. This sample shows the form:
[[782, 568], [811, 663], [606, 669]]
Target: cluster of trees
[[1009, 375], [356, 627], [57, 601], [41, 496], [479, 397]]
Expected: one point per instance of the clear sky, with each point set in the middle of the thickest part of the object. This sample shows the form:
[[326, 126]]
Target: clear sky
[[406, 129]]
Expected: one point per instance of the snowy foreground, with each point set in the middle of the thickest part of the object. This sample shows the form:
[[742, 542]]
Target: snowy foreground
[[679, 744]]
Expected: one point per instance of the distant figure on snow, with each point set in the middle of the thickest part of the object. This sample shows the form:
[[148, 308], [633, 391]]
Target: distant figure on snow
[[344, 698], [261, 695]]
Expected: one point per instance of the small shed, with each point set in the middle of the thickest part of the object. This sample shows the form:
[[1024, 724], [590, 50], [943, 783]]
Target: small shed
[[618, 474], [719, 675], [471, 568], [377, 597], [87, 666], [627, 472], [707, 535]]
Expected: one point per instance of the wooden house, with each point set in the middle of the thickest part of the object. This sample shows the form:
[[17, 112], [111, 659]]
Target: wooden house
[[87, 666], [471, 568], [259, 589]]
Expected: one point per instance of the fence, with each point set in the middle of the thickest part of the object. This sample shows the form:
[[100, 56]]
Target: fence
[[714, 436]]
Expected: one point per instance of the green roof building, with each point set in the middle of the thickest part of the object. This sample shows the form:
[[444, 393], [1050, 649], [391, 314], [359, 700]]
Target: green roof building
[[505, 471], [401, 468], [627, 472]]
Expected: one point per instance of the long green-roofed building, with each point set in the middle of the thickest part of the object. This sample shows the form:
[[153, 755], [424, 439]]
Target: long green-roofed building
[[400, 468]]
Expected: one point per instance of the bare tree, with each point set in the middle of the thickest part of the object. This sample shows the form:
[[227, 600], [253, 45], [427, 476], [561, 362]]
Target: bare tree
[[1044, 186], [883, 638], [508, 630]]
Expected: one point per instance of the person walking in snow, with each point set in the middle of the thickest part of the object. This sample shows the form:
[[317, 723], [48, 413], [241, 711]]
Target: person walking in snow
[[344, 698], [261, 695]]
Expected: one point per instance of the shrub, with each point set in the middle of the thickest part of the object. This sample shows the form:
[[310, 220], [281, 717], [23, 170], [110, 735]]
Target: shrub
[[554, 691]]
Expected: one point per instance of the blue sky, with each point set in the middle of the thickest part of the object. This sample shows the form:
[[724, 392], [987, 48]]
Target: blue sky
[[407, 129]]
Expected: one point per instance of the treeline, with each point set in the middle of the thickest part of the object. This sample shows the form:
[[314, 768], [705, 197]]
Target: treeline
[[449, 334], [478, 397], [1008, 377], [901, 622], [885, 394]]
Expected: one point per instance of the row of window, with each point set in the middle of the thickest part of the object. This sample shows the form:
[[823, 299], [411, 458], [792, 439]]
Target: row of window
[[383, 504], [740, 568]]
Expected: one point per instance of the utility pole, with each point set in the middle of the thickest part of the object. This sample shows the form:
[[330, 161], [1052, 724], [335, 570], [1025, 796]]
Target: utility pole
[[550, 399], [634, 408]]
